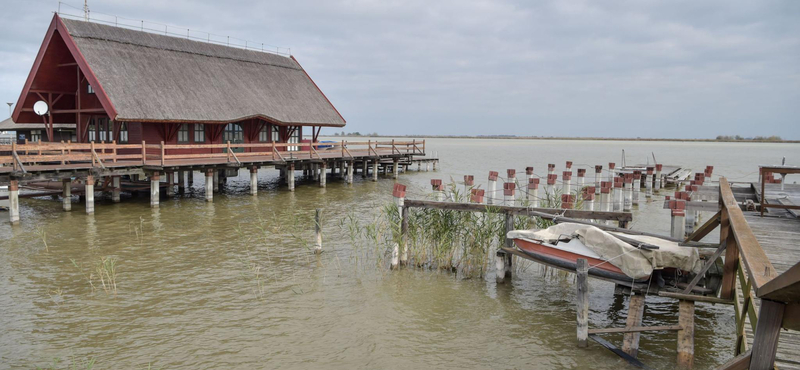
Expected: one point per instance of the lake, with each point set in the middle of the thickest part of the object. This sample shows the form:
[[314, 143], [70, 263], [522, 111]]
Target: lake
[[234, 283]]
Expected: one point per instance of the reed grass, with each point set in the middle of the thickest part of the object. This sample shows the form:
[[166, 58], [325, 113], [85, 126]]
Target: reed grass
[[87, 364], [106, 270], [43, 235]]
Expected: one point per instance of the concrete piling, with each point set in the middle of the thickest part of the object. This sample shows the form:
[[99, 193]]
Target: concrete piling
[[318, 230], [398, 255], [116, 189], [13, 201], [66, 195], [533, 192], [181, 182], [511, 176], [254, 180], [492, 187], [627, 187], [350, 169], [611, 172], [582, 301], [566, 184], [155, 187], [89, 194], [438, 190], [658, 176], [374, 170], [549, 190], [648, 183], [637, 186], [528, 174], [618, 198], [395, 168], [588, 198], [581, 175], [678, 220], [170, 184], [216, 181], [323, 174], [598, 178], [209, 185], [551, 169], [290, 176], [509, 189]]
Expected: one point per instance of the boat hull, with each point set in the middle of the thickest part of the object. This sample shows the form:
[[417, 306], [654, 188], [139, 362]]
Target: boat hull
[[568, 260]]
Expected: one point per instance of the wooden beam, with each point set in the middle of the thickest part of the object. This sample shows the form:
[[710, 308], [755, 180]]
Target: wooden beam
[[768, 330], [523, 211], [582, 301], [706, 229], [630, 341], [784, 288], [631, 360], [710, 262], [686, 334], [634, 329], [758, 266], [692, 297], [741, 362]]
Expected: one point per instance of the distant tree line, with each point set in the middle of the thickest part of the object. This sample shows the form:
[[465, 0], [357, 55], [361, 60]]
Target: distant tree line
[[354, 133], [740, 138]]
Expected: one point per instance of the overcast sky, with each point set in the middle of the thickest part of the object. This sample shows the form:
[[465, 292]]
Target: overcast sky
[[687, 69]]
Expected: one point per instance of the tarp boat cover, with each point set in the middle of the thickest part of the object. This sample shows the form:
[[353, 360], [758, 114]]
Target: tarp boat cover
[[634, 262]]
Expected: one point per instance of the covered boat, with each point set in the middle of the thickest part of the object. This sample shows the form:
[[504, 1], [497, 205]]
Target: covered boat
[[608, 256]]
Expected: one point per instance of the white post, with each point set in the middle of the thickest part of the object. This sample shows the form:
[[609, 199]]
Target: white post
[[618, 197], [528, 174], [323, 169], [566, 178], [637, 186], [209, 185], [648, 183], [290, 176], [549, 191], [89, 194], [350, 168], [116, 189], [628, 193], [399, 195], [598, 173], [66, 195], [551, 169], [678, 224], [492, 187], [658, 176], [254, 180], [375, 169], [154, 190], [318, 229], [511, 177], [533, 192], [216, 181], [508, 193], [438, 190], [605, 198], [395, 168], [588, 198], [581, 175], [611, 172], [13, 202]]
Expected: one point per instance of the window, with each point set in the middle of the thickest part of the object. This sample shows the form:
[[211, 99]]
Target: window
[[233, 133], [276, 134], [263, 135], [123, 133], [73, 136], [36, 135], [103, 130], [199, 133], [183, 133], [294, 138], [89, 89], [91, 130]]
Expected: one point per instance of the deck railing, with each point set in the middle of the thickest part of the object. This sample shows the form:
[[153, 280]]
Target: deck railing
[[98, 154]]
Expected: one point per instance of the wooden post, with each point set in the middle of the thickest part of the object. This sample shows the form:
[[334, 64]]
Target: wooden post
[[13, 200], [630, 341], [66, 195], [144, 153], [728, 290], [768, 331], [318, 228], [154, 189], [323, 170], [182, 182], [89, 194], [582, 301], [686, 334], [163, 152], [209, 185], [290, 176], [254, 180], [115, 189]]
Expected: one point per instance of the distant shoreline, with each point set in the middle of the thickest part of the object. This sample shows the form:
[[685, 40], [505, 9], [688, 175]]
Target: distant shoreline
[[566, 138]]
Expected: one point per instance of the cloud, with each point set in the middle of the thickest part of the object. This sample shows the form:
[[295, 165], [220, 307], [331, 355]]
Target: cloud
[[611, 68]]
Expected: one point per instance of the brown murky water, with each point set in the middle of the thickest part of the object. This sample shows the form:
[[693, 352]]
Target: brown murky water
[[232, 284]]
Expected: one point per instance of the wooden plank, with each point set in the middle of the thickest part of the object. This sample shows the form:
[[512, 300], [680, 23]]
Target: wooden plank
[[710, 262], [741, 362], [768, 330], [549, 213], [784, 288], [631, 360], [630, 341], [686, 334], [582, 301], [633, 329], [759, 268], [696, 298]]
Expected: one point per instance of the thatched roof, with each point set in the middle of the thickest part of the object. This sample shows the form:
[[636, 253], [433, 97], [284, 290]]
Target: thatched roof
[[150, 77], [9, 125]]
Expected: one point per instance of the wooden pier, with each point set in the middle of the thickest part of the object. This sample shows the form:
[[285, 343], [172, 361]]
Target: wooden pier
[[166, 165]]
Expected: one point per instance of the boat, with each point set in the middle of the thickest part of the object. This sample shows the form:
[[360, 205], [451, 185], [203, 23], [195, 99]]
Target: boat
[[565, 254]]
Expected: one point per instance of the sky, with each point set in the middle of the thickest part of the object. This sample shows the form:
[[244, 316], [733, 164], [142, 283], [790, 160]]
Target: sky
[[638, 68]]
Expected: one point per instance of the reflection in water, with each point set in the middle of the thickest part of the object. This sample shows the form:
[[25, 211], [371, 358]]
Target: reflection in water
[[232, 284]]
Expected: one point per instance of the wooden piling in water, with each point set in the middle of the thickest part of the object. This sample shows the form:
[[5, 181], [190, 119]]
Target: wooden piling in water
[[582, 301], [375, 169], [209, 185], [155, 186], [170, 184], [13, 201], [290, 176], [323, 174], [686, 334], [630, 341], [318, 229]]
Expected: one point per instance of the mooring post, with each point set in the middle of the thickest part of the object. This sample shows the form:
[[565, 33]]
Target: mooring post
[[588, 198], [170, 184], [618, 198], [492, 187], [209, 185], [116, 189], [502, 260], [350, 168], [686, 334], [549, 191], [581, 175], [508, 192], [582, 300], [511, 177], [435, 162], [66, 195], [438, 190], [637, 186], [528, 174], [533, 192], [678, 220], [630, 341], [627, 205], [566, 182], [658, 176], [476, 195], [13, 201], [89, 194], [290, 176], [318, 228], [551, 168], [341, 169], [648, 183], [398, 256], [181, 182], [254, 180], [323, 170], [605, 198], [375, 169], [611, 172], [598, 173], [395, 168], [154, 190]]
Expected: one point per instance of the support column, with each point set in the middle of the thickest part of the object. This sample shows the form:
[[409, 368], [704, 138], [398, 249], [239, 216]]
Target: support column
[[598, 178], [181, 182], [581, 175], [618, 197], [375, 170], [216, 181], [658, 176], [630, 341], [637, 186], [323, 169], [89, 194], [341, 169], [768, 331], [627, 204], [508, 192], [170, 184], [116, 189], [254, 180], [13, 200], [209, 185], [290, 176], [511, 177], [678, 221], [66, 195], [533, 192], [395, 168], [318, 227], [364, 169], [550, 190], [400, 256], [588, 198], [686, 334], [350, 169], [435, 162], [438, 190], [648, 183], [492, 187], [154, 189], [582, 301], [566, 178]]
